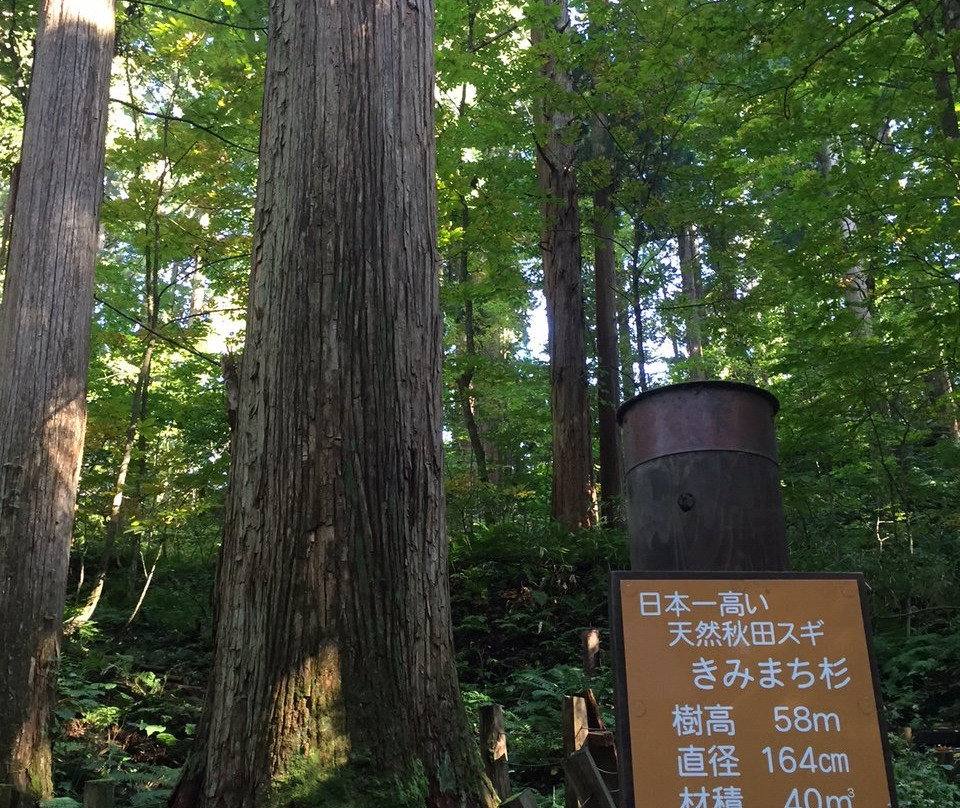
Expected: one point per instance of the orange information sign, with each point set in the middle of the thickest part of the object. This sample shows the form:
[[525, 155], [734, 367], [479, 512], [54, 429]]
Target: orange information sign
[[746, 690]]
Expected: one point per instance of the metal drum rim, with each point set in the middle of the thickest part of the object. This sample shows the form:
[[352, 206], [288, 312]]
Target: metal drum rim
[[707, 385]]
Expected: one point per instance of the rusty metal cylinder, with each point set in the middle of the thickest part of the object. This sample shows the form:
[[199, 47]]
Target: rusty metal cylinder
[[703, 479]]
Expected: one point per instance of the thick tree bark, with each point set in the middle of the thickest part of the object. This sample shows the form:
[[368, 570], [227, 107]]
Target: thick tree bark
[[608, 353], [332, 640], [572, 499], [44, 337]]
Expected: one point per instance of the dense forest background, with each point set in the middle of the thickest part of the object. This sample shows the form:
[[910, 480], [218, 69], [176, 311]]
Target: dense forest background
[[778, 183]]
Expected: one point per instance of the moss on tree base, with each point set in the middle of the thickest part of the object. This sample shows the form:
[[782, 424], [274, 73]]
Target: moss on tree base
[[309, 784]]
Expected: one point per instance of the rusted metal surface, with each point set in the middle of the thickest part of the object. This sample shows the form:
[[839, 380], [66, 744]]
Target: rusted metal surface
[[703, 484], [699, 417]]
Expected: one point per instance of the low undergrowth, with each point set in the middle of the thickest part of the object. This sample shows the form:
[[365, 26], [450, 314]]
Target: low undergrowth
[[131, 696]]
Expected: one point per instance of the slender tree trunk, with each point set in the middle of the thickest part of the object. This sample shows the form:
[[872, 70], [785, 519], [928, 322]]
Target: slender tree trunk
[[8, 206], [138, 401], [198, 289], [44, 338], [147, 580], [152, 296], [943, 85], [856, 283], [608, 354], [114, 526], [692, 283], [628, 384], [943, 394], [856, 287], [637, 308], [332, 640], [480, 448], [723, 264], [572, 500], [468, 411], [465, 379]]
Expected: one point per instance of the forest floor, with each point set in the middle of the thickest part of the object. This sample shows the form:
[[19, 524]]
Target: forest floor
[[131, 695]]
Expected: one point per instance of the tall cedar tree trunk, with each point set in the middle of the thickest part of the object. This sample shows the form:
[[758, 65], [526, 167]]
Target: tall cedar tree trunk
[[44, 339], [332, 639], [572, 500], [945, 79], [608, 353]]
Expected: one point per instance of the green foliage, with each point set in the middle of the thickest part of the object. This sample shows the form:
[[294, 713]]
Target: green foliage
[[921, 781], [721, 117], [917, 672], [487, 206], [523, 593], [18, 25], [176, 217], [512, 400], [119, 718], [535, 718], [532, 699], [355, 785], [521, 596]]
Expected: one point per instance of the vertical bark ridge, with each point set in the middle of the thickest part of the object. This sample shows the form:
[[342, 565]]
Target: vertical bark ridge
[[44, 336]]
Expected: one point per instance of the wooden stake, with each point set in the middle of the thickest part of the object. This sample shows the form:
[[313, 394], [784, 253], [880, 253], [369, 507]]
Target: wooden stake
[[589, 650], [576, 727], [525, 799], [98, 794], [602, 742], [594, 719], [583, 775], [576, 724], [493, 747], [603, 748]]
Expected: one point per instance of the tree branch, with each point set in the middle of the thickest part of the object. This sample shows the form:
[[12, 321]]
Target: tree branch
[[182, 13], [494, 38], [884, 14], [156, 333], [165, 117]]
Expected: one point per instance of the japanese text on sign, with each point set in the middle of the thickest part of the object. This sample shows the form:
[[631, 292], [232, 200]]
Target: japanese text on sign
[[749, 693]]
